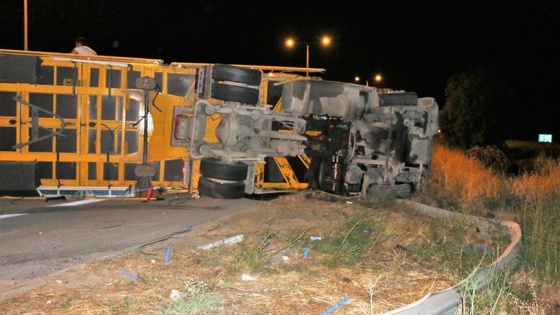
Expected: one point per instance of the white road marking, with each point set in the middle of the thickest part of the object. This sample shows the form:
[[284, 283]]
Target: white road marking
[[5, 216], [77, 203]]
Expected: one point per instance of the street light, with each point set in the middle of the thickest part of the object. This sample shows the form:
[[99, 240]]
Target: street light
[[358, 80], [291, 43], [25, 27]]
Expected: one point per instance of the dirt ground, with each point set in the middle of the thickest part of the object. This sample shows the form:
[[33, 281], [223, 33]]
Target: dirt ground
[[276, 269]]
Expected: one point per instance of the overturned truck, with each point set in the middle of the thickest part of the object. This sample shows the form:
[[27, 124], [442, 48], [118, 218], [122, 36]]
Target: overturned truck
[[113, 126], [356, 141]]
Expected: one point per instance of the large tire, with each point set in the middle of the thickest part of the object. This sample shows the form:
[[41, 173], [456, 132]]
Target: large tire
[[215, 168], [236, 74], [220, 190], [235, 93]]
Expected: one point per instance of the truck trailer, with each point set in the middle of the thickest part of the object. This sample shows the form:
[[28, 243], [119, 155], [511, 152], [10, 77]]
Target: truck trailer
[[104, 126]]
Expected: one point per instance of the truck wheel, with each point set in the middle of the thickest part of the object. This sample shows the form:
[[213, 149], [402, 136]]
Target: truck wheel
[[221, 190], [215, 168], [235, 93], [236, 74]]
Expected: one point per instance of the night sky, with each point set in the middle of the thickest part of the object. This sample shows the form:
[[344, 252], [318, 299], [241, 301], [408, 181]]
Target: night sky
[[416, 45]]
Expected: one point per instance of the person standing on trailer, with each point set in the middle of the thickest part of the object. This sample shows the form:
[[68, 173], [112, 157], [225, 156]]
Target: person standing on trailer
[[81, 48]]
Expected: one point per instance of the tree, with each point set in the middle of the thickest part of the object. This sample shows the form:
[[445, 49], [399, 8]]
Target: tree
[[477, 110]]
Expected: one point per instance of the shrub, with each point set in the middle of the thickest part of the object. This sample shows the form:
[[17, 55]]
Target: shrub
[[491, 157]]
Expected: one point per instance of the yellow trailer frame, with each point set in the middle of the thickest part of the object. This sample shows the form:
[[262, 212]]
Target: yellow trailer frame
[[88, 114]]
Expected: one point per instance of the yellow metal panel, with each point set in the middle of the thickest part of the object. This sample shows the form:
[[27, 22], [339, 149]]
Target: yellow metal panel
[[160, 140], [83, 87], [305, 160], [259, 174], [279, 186], [287, 172]]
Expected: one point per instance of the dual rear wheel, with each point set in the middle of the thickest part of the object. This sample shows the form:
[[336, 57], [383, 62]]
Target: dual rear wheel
[[222, 180]]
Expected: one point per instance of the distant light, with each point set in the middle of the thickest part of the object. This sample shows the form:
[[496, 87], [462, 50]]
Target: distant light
[[357, 79], [545, 138], [378, 78], [290, 42], [326, 41]]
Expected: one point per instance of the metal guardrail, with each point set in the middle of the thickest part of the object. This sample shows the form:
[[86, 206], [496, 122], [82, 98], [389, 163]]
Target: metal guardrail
[[448, 301]]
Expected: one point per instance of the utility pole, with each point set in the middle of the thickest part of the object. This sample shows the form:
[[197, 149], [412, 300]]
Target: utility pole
[[25, 46]]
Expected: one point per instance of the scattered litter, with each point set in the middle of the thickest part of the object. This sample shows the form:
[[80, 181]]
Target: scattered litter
[[49, 302], [337, 305], [166, 262], [367, 231], [153, 261], [129, 275], [149, 193], [305, 252], [349, 202], [285, 258], [174, 295], [269, 245], [279, 255], [316, 238], [231, 240], [246, 277]]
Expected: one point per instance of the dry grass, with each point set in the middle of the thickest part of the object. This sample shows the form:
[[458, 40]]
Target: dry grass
[[543, 183], [461, 178], [285, 282], [531, 199]]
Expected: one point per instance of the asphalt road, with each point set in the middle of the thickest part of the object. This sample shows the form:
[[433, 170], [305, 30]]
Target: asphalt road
[[39, 237]]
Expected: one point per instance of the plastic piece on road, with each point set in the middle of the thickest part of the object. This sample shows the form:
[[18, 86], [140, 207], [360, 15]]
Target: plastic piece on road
[[337, 305], [246, 277], [129, 275], [149, 193], [166, 262], [305, 252], [269, 245], [174, 295], [231, 240]]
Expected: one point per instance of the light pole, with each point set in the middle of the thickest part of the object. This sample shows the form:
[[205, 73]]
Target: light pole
[[291, 43], [25, 25]]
